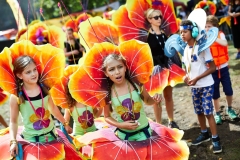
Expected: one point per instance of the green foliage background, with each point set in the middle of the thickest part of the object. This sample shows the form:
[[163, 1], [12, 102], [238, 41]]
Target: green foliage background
[[51, 9]]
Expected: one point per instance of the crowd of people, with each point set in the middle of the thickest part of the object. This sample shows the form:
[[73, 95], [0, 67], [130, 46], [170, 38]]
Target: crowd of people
[[111, 78]]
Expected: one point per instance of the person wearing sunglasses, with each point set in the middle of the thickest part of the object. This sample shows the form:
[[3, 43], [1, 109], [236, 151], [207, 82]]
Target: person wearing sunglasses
[[156, 40]]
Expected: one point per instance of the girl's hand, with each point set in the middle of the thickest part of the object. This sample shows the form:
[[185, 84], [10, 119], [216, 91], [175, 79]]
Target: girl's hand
[[129, 125], [157, 98], [14, 149], [68, 129]]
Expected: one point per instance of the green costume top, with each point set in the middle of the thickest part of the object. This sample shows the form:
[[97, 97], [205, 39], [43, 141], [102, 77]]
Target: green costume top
[[130, 111], [83, 120], [36, 123]]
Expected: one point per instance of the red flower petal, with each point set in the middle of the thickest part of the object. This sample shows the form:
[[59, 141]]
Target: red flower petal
[[58, 91], [7, 78], [139, 60], [39, 151], [3, 96], [84, 90], [176, 75], [126, 29], [158, 81], [56, 36], [82, 17], [53, 62], [97, 30], [71, 24]]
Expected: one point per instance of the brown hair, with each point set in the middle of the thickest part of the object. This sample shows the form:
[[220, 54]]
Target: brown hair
[[19, 65], [213, 20], [70, 100], [186, 22], [109, 81]]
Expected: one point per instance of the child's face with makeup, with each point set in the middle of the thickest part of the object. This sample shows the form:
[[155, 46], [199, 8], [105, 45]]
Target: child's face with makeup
[[115, 70]]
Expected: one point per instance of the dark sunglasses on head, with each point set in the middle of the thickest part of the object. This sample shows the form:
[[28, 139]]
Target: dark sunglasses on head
[[157, 17]]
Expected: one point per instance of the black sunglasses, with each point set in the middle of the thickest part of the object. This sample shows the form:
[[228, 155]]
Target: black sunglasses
[[157, 17]]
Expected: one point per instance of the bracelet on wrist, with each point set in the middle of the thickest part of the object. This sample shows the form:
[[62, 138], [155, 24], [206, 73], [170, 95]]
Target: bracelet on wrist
[[14, 141], [65, 123]]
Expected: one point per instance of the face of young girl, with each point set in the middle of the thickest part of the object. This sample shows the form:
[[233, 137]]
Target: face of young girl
[[115, 70], [208, 26], [29, 74], [186, 35]]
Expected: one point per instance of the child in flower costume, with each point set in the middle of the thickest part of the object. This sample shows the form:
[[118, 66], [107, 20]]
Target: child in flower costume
[[83, 115], [115, 77], [27, 71]]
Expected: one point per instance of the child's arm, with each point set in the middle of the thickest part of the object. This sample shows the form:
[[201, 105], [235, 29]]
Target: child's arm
[[67, 115], [148, 100], [67, 118], [56, 113], [14, 112], [97, 112], [130, 125], [222, 40]]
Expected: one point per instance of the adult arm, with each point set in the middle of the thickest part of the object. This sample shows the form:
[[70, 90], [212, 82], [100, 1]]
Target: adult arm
[[73, 52], [229, 11]]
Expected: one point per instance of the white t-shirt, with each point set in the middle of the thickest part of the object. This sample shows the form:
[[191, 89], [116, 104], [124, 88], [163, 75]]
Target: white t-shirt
[[198, 65]]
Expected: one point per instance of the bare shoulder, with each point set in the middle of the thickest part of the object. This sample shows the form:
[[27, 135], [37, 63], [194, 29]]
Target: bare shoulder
[[14, 101]]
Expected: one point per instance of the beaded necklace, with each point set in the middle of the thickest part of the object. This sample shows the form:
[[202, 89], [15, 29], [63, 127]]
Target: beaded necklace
[[191, 58], [158, 38]]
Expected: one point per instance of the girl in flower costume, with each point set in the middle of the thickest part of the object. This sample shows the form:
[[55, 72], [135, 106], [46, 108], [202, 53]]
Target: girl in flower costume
[[83, 115], [116, 75], [27, 71]]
